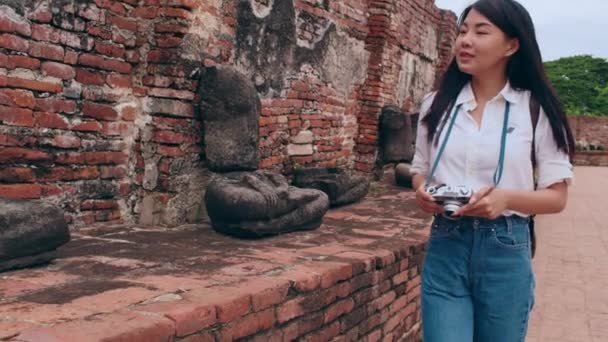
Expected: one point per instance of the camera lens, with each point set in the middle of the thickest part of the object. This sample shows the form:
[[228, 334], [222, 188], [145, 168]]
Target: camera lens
[[449, 207]]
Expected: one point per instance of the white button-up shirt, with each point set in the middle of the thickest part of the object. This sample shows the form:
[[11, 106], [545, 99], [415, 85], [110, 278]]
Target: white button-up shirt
[[471, 154]]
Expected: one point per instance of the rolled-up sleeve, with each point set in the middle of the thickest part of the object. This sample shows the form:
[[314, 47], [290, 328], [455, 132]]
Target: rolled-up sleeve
[[553, 164], [422, 155]]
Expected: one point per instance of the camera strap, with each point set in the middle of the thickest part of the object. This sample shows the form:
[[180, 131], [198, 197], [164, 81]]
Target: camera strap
[[503, 143]]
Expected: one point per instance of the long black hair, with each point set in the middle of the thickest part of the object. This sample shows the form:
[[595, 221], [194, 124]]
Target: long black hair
[[525, 71]]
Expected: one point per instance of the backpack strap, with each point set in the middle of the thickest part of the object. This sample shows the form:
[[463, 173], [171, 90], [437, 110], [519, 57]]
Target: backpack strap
[[534, 115]]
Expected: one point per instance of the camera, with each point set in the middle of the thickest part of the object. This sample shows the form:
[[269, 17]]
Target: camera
[[450, 197]]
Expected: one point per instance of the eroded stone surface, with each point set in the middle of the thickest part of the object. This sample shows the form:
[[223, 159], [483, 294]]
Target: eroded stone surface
[[30, 232], [342, 187], [262, 203]]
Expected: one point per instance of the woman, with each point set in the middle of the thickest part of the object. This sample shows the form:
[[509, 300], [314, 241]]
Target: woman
[[477, 280]]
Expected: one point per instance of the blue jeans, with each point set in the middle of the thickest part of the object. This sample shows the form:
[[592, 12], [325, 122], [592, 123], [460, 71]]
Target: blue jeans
[[477, 280]]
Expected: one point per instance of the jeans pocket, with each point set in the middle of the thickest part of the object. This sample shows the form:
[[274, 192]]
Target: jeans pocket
[[516, 238], [442, 230]]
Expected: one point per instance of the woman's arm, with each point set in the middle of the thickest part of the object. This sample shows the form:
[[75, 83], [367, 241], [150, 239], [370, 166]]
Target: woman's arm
[[544, 201], [418, 180], [492, 202]]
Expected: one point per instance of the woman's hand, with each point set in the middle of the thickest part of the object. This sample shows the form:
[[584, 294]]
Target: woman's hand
[[425, 201], [487, 202]]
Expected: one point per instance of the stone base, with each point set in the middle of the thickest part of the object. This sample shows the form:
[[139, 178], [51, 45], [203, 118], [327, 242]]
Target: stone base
[[32, 260], [30, 232], [402, 175], [350, 280]]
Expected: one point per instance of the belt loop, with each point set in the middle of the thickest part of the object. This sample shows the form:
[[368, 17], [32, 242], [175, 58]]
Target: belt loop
[[509, 224]]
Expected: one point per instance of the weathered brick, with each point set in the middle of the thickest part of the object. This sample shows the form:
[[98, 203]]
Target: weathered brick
[[334, 272], [34, 85], [17, 97], [145, 12], [121, 22], [72, 23], [170, 27], [189, 317], [46, 33], [163, 56], [165, 41], [85, 76], [248, 325], [22, 155], [171, 93], [132, 56], [20, 191], [107, 215], [64, 141], [169, 107], [171, 123], [128, 113], [99, 111], [16, 116], [58, 70], [112, 172], [16, 61], [12, 42], [115, 128], [104, 63], [122, 325], [110, 50], [91, 158], [87, 126], [17, 175], [170, 151], [190, 4], [118, 81], [97, 204], [338, 309], [168, 137], [50, 120], [414, 282], [413, 294], [57, 173], [302, 326], [174, 12], [55, 105], [327, 333], [100, 94], [14, 140], [70, 58], [112, 5], [41, 14], [400, 278], [46, 50], [92, 12], [382, 301], [99, 31]]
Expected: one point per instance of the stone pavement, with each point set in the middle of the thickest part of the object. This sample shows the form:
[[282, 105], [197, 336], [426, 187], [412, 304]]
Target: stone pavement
[[571, 265]]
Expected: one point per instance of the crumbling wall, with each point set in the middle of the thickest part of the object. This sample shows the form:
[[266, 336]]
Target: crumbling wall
[[98, 98]]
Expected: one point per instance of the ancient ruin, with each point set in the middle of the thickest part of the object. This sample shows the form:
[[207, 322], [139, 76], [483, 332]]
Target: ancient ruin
[[146, 123]]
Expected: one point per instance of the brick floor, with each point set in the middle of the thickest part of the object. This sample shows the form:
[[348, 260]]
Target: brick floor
[[571, 265]]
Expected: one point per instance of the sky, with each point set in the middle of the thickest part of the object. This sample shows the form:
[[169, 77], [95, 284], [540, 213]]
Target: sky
[[563, 27]]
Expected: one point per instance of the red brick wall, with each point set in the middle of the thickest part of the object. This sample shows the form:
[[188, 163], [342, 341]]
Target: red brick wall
[[96, 97], [592, 129], [591, 158]]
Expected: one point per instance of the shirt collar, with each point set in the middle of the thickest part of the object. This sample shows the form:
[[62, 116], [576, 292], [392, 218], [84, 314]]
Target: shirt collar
[[508, 93]]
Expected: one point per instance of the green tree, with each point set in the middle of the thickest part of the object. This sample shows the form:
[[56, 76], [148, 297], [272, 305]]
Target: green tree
[[581, 83]]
